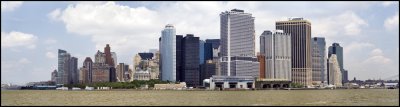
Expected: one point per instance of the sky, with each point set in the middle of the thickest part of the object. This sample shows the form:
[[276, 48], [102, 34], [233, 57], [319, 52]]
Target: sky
[[33, 31]]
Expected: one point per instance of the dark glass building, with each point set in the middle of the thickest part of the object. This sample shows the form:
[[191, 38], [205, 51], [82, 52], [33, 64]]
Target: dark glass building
[[190, 62], [179, 67]]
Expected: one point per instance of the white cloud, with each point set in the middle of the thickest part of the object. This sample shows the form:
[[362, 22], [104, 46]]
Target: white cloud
[[24, 61], [356, 46], [54, 14], [347, 22], [51, 55], [50, 41], [7, 6], [392, 23], [388, 3], [377, 57], [17, 39]]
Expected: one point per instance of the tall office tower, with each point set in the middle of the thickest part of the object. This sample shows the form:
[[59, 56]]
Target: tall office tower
[[70, 70], [261, 60], [114, 57], [300, 31], [54, 75], [180, 74], [121, 72], [66, 76], [335, 75], [190, 62], [159, 60], [73, 67], [338, 50], [318, 60], [86, 73], [60, 73], [215, 47], [88, 63], [276, 48], [201, 52], [109, 59], [238, 44], [168, 53]]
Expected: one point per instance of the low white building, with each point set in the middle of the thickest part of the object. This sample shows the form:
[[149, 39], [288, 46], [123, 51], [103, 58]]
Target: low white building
[[230, 82]]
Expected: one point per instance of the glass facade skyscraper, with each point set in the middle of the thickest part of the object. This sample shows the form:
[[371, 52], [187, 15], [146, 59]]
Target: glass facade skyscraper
[[319, 59], [338, 51], [168, 53]]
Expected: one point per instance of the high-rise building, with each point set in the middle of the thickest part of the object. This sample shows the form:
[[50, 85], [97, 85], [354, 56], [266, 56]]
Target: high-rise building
[[168, 53], [121, 69], [335, 75], [190, 62], [338, 50], [86, 74], [73, 67], [238, 44], [275, 46], [300, 31], [261, 60], [180, 74], [318, 60], [54, 75], [107, 52], [114, 57], [68, 68], [60, 73], [201, 52], [215, 46], [101, 70]]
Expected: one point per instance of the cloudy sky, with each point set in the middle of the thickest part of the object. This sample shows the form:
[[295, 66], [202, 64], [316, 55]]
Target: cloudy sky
[[31, 32]]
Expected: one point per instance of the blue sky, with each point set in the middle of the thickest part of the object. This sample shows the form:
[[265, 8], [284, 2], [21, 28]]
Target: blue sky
[[31, 32]]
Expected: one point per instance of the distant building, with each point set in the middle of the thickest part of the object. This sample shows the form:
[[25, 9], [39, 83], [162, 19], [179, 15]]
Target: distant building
[[103, 69], [86, 71], [190, 62], [231, 82], [338, 51], [238, 44], [334, 74], [60, 73], [318, 60], [114, 57], [300, 31], [147, 62], [68, 68], [121, 70], [208, 69], [277, 50], [54, 75], [168, 53], [142, 75]]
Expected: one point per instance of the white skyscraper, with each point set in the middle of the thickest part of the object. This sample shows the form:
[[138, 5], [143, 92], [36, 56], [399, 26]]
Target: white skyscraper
[[276, 46], [168, 53], [335, 75], [238, 44]]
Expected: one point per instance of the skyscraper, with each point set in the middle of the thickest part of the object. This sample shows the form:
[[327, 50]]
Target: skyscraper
[[190, 62], [300, 31], [338, 50], [114, 57], [201, 52], [60, 73], [238, 44], [276, 48], [335, 75], [318, 60], [168, 53], [215, 46], [86, 73], [107, 52], [180, 74], [54, 75]]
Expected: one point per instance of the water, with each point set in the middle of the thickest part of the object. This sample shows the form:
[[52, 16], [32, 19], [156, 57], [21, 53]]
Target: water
[[355, 97]]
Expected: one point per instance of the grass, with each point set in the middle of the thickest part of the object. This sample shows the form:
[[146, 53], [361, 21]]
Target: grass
[[170, 97]]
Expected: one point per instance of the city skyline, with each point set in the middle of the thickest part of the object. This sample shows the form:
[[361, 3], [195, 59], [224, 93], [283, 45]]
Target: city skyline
[[136, 27]]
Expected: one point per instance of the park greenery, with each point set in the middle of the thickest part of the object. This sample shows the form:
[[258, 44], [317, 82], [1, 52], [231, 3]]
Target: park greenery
[[121, 85], [296, 85]]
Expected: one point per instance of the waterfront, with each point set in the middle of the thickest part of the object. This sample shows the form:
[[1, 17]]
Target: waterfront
[[355, 97]]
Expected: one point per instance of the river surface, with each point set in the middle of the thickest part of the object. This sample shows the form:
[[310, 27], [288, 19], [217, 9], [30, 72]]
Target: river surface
[[354, 97]]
